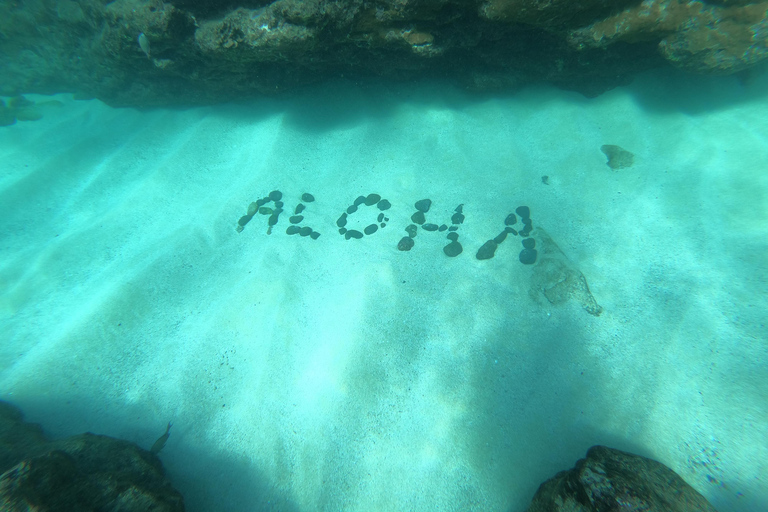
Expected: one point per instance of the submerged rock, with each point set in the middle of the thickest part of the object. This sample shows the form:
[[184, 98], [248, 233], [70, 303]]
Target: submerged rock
[[612, 480], [82, 472], [618, 157]]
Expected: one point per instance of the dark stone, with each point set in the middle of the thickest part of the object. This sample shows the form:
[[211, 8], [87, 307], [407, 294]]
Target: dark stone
[[79, 473], [307, 198], [453, 249], [360, 200], [423, 205], [528, 256], [380, 217], [273, 219], [418, 217], [405, 243], [411, 230], [545, 179], [382, 225], [457, 218], [459, 209], [453, 228], [262, 201], [352, 209], [242, 221], [525, 232], [275, 195], [384, 205], [292, 230], [278, 204], [265, 210], [523, 211], [487, 250], [295, 219], [618, 157], [529, 243], [510, 230], [353, 233], [430, 227], [299, 208], [342, 231], [500, 237], [370, 229], [314, 235], [612, 480], [305, 231], [372, 199], [452, 236], [442, 227], [511, 220], [342, 220]]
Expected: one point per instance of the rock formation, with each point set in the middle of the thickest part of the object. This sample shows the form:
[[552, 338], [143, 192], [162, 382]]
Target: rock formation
[[142, 53], [612, 480], [82, 472]]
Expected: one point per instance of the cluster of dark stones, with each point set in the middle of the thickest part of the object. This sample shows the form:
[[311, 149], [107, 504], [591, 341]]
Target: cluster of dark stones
[[528, 254], [275, 197], [369, 200], [419, 218]]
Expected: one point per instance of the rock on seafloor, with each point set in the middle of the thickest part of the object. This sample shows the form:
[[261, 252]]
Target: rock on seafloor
[[82, 472], [611, 480], [207, 51]]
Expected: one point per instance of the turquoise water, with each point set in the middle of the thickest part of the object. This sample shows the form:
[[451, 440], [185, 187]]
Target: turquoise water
[[336, 374]]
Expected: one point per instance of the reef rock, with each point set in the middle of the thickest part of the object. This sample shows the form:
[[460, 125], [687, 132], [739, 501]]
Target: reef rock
[[83, 472], [145, 53], [609, 479]]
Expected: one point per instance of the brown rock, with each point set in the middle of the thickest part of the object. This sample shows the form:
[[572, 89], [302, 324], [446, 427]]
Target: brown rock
[[609, 479]]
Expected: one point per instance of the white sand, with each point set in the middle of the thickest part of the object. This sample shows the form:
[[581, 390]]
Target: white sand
[[346, 375]]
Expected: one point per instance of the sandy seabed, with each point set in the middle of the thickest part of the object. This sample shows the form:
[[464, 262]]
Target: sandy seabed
[[337, 374]]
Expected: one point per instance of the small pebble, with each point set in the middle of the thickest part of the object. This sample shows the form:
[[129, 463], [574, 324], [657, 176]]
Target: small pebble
[[244, 220], [459, 209], [442, 227], [314, 235], [352, 209], [487, 251], [380, 217], [430, 227], [299, 208], [528, 256], [266, 210], [353, 233], [253, 208], [510, 230], [405, 244], [292, 230], [307, 198], [370, 229], [511, 220], [457, 218], [384, 205], [273, 219], [500, 237], [453, 249], [452, 236], [529, 243], [523, 211], [453, 228], [418, 217], [342, 231], [342, 220], [372, 199], [411, 230], [295, 219], [305, 231], [275, 195], [360, 200], [423, 205]]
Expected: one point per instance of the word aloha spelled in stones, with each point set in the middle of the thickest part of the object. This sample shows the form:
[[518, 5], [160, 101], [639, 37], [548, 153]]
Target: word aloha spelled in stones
[[452, 249]]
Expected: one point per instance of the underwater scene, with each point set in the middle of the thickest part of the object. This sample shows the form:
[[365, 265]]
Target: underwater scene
[[366, 294]]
